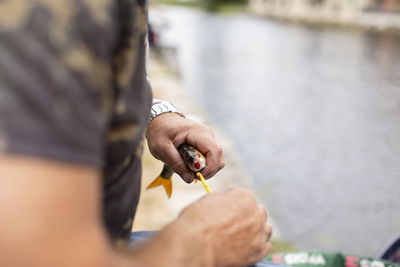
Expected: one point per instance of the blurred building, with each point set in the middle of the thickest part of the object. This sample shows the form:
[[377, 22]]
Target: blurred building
[[385, 5], [372, 13]]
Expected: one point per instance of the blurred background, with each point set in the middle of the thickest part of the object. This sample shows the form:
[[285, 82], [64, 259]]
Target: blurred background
[[308, 94]]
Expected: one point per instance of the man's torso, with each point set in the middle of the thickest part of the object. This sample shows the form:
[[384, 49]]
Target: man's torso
[[74, 88]]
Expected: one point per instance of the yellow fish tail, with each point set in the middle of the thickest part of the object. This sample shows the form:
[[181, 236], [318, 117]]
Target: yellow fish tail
[[161, 181]]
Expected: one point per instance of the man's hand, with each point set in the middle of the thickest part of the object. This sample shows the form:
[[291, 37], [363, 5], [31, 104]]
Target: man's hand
[[233, 226], [221, 229], [169, 130]]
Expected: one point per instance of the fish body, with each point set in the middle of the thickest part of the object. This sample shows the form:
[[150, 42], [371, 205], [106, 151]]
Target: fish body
[[193, 159]]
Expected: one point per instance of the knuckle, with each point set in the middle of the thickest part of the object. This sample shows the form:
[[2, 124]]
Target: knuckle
[[269, 231], [163, 150], [156, 145], [205, 129], [219, 150], [208, 129], [177, 142], [262, 212], [246, 193], [237, 190], [262, 209], [155, 149], [247, 198]]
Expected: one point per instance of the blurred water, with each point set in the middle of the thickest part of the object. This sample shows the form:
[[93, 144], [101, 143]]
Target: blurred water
[[315, 115]]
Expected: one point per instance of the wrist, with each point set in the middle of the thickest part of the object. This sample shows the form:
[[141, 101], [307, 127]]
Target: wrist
[[161, 107], [194, 240], [177, 245]]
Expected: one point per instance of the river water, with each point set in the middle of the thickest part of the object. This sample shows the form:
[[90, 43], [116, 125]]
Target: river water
[[314, 113]]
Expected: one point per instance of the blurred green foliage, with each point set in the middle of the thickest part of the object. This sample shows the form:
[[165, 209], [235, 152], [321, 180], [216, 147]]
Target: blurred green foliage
[[279, 245], [223, 6], [218, 5]]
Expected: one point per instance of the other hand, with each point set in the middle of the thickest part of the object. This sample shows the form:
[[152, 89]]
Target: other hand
[[169, 130], [233, 225]]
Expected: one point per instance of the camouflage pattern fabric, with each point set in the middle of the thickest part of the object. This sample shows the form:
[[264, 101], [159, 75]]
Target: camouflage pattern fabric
[[74, 88]]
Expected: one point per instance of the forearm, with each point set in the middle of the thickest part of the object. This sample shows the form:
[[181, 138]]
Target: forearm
[[174, 246], [181, 243], [50, 216]]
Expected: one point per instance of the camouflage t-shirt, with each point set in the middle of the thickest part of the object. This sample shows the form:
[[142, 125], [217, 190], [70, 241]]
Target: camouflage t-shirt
[[73, 87]]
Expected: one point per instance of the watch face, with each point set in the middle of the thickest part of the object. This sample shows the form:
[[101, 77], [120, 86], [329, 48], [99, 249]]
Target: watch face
[[162, 107], [159, 108]]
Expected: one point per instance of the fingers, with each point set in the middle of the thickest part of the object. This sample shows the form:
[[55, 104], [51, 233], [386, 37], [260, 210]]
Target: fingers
[[209, 147], [264, 213], [243, 233], [262, 246], [171, 157], [266, 229], [264, 251], [166, 133], [261, 253]]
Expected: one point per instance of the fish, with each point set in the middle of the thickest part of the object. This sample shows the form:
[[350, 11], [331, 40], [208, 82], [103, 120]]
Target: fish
[[193, 159]]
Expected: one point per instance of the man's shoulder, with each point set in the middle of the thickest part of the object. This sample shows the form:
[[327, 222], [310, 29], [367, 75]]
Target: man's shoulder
[[17, 14]]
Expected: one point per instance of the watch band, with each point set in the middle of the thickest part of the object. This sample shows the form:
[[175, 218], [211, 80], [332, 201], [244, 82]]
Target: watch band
[[162, 107]]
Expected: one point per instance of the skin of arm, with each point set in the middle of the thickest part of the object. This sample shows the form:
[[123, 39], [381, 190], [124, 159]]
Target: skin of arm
[[51, 212], [50, 216]]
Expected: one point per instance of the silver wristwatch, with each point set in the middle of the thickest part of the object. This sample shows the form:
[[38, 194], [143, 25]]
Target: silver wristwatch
[[162, 107]]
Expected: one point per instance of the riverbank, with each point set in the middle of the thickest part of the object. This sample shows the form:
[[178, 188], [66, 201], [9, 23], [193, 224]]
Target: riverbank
[[312, 112], [210, 5], [350, 15], [155, 209], [345, 15]]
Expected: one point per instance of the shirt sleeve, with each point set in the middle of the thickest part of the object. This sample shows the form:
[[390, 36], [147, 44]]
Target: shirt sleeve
[[55, 78]]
